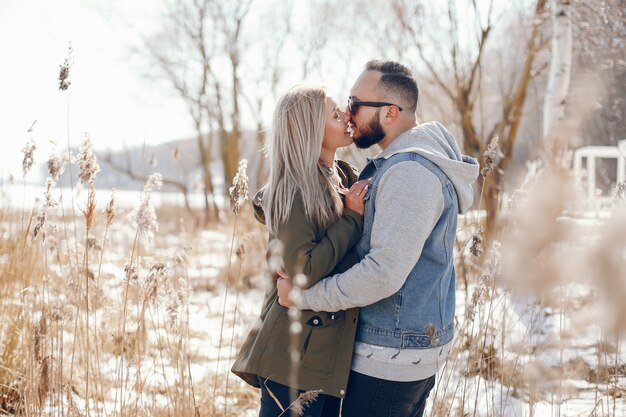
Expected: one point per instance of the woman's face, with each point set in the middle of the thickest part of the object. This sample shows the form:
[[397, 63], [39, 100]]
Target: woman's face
[[335, 131]]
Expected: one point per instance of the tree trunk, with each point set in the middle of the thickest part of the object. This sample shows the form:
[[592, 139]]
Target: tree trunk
[[225, 143], [232, 157], [509, 126], [205, 160], [232, 149], [491, 201], [560, 69], [261, 170]]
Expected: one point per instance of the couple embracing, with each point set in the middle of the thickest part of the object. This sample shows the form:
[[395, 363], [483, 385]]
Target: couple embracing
[[364, 310]]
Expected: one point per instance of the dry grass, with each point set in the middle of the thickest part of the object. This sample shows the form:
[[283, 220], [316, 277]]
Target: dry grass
[[123, 341], [545, 292], [78, 331], [95, 309]]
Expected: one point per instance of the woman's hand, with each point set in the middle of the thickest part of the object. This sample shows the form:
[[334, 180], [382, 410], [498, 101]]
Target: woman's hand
[[284, 287], [355, 195]]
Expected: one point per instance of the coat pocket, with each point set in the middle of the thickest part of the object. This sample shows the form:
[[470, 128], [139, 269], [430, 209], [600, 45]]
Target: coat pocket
[[321, 337]]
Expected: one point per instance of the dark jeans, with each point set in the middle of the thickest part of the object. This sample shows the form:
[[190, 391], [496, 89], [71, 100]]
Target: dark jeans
[[322, 406], [373, 397]]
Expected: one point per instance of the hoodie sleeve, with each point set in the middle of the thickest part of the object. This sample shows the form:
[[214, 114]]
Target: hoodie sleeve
[[409, 203]]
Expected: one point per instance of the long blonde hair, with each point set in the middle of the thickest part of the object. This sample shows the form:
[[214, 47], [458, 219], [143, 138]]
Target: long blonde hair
[[293, 148]]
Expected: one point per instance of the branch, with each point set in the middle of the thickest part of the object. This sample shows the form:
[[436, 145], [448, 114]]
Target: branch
[[454, 38], [401, 16], [128, 171], [513, 111], [481, 48]]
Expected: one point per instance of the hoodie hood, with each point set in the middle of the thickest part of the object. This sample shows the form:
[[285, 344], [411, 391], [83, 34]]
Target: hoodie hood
[[435, 143]]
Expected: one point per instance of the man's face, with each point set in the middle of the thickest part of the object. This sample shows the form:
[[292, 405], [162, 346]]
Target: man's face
[[371, 133], [366, 126]]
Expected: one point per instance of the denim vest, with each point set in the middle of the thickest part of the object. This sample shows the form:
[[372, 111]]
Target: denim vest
[[421, 314]]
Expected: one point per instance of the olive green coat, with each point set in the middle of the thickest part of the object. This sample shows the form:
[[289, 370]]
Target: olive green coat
[[319, 355]]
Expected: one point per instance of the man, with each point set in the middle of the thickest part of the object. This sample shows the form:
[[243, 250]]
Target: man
[[405, 281]]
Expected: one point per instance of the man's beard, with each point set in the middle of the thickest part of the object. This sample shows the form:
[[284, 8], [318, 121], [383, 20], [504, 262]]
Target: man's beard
[[372, 134]]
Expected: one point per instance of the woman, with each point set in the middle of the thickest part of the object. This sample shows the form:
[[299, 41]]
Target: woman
[[314, 221]]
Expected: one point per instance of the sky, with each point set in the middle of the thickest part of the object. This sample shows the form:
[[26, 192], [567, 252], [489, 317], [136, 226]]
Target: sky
[[110, 97]]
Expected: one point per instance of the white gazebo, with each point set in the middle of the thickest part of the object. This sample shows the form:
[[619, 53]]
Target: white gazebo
[[594, 200]]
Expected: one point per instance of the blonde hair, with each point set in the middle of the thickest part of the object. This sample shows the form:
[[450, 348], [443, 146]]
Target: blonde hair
[[293, 148]]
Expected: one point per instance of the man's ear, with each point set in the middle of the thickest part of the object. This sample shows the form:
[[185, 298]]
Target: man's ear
[[393, 112]]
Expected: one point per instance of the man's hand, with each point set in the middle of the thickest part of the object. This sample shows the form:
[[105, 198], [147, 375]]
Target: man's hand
[[284, 286]]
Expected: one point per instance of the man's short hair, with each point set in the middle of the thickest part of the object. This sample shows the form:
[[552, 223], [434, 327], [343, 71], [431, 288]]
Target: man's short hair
[[397, 80]]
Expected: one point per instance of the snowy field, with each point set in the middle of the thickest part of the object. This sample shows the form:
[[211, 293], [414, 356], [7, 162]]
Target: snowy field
[[155, 327]]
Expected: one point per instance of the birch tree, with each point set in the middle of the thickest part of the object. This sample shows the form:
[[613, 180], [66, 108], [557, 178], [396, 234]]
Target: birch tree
[[560, 70]]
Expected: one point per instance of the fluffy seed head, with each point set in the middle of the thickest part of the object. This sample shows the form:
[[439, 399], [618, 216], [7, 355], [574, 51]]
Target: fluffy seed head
[[130, 274], [154, 280], [87, 163], [303, 401], [56, 166], [155, 181], [477, 238], [490, 157], [92, 243], [239, 190], [110, 211], [29, 159], [90, 209], [64, 71], [50, 201], [42, 226], [145, 214]]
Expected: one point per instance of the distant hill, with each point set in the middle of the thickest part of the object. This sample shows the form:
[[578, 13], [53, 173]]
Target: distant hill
[[178, 160]]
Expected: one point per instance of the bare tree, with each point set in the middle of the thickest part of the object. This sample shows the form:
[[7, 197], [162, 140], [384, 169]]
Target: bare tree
[[183, 53], [128, 170], [263, 81], [198, 38], [310, 40], [228, 19], [456, 69]]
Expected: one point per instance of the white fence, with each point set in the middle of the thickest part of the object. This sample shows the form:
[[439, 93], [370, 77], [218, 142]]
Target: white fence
[[595, 199]]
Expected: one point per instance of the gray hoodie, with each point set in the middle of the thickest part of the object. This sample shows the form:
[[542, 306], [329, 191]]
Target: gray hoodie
[[434, 142], [409, 200]]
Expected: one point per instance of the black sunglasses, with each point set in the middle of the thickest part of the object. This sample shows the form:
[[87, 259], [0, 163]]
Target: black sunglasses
[[354, 104]]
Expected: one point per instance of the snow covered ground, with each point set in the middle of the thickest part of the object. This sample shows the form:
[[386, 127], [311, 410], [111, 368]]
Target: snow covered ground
[[182, 327]]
